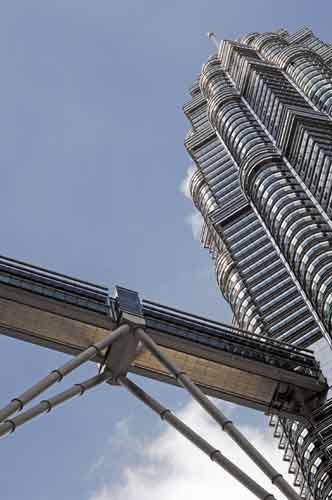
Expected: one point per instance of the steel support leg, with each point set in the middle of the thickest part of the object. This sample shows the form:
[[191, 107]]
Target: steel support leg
[[214, 454], [57, 375], [226, 424], [9, 426]]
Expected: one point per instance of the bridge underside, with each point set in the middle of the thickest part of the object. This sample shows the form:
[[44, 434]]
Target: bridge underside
[[68, 316]]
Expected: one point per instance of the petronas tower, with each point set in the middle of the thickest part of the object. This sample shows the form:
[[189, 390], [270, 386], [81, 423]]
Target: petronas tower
[[260, 139]]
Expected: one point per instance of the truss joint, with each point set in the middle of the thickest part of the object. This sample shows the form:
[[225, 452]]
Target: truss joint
[[227, 422], [164, 413], [20, 402], [48, 404], [214, 454], [277, 476]]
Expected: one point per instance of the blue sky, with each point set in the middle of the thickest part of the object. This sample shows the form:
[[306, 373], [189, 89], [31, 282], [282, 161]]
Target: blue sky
[[92, 159]]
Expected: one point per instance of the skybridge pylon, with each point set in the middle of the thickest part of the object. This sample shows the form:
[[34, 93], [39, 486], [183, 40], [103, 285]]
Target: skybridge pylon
[[122, 333]]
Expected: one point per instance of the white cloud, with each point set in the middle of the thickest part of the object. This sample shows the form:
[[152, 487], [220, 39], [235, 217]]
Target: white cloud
[[184, 186], [170, 468], [196, 222]]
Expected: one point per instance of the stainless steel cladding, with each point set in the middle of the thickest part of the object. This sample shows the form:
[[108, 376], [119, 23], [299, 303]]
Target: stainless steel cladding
[[261, 144]]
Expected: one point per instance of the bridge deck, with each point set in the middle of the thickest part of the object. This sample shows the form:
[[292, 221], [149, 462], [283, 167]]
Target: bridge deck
[[68, 315]]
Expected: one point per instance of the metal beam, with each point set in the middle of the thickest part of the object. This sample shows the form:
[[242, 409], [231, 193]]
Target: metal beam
[[225, 424], [57, 375], [214, 454], [45, 406]]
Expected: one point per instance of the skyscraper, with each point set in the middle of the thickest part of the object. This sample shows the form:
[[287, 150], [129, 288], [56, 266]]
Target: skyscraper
[[261, 143]]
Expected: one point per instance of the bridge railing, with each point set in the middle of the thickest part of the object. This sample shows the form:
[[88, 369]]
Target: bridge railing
[[230, 339], [54, 285], [165, 319]]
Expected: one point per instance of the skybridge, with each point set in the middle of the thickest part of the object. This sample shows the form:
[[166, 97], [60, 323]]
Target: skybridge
[[68, 315], [123, 333]]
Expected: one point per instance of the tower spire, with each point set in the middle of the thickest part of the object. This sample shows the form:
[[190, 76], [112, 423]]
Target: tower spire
[[213, 38]]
